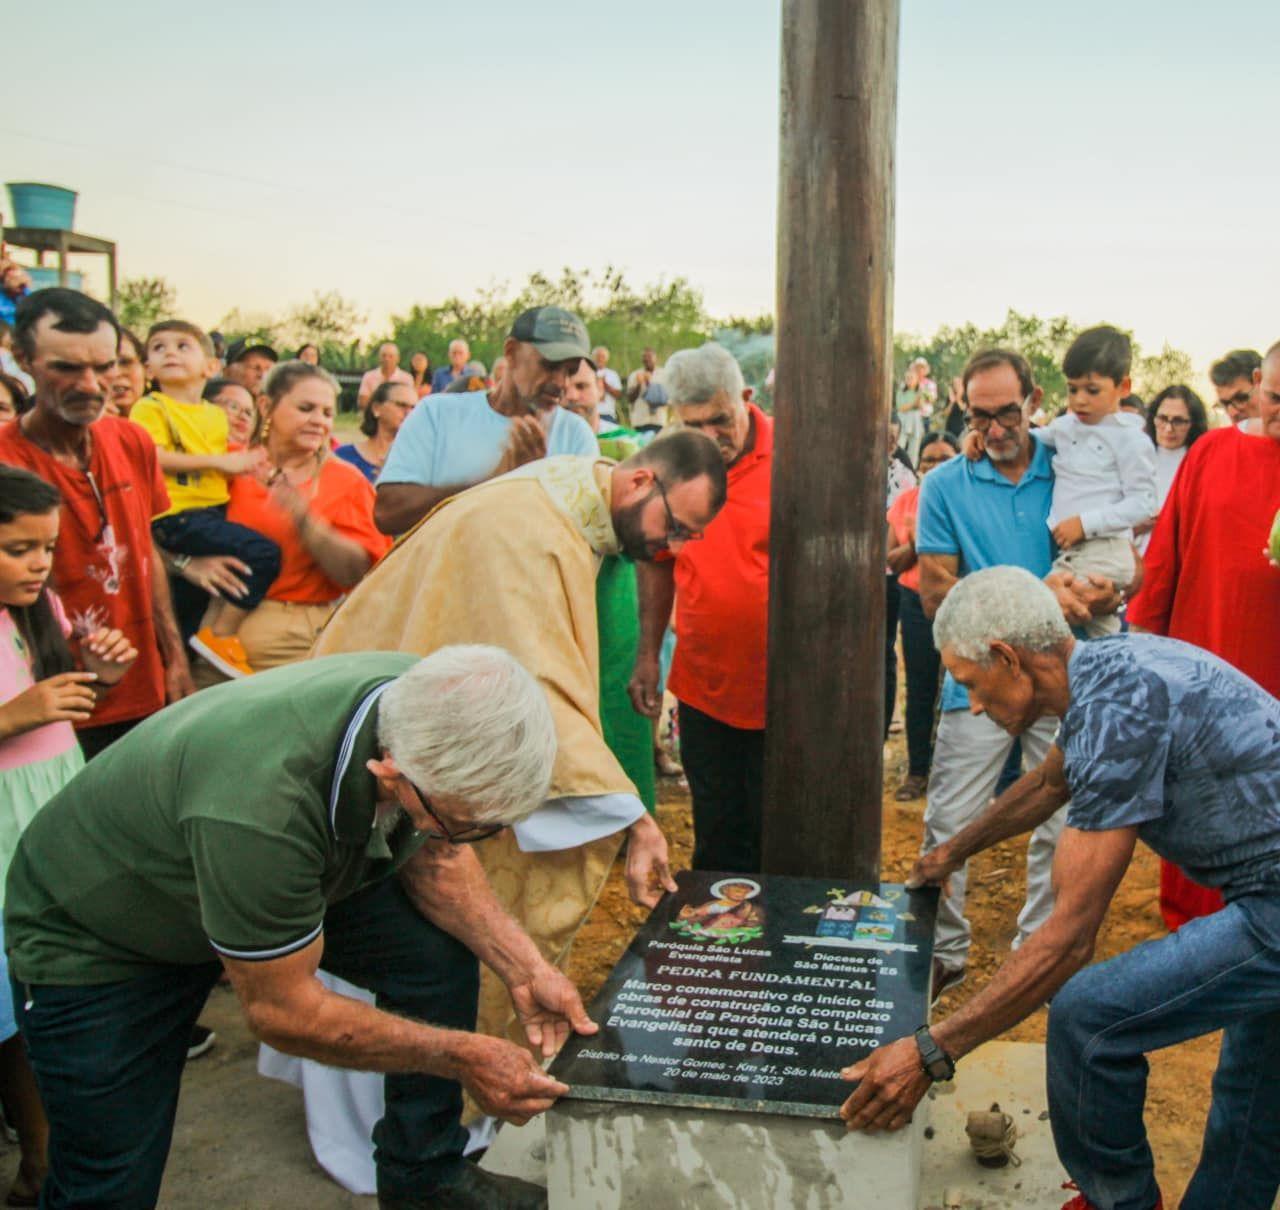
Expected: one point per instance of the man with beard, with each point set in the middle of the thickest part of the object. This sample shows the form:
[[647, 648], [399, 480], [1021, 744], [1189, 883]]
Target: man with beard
[[513, 563], [105, 568], [459, 440], [628, 734], [718, 673]]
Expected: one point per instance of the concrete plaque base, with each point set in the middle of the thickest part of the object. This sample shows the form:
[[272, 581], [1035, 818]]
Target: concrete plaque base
[[1011, 1073], [609, 1156]]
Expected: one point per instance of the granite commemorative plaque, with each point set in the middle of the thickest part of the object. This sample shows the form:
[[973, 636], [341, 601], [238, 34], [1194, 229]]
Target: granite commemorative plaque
[[753, 992]]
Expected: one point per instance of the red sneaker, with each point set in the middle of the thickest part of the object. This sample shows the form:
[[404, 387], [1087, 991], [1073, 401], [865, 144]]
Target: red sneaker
[[1080, 1202]]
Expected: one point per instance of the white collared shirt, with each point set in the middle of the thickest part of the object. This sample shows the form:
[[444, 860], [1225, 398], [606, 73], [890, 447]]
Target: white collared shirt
[[1104, 473]]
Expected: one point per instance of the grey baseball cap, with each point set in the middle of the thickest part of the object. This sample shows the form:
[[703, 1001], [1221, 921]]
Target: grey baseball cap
[[557, 334]]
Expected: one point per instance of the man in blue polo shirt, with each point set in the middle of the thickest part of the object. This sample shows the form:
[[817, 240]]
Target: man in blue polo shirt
[[976, 514]]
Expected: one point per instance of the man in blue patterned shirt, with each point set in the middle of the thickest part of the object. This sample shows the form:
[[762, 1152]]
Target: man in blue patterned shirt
[[1159, 741]]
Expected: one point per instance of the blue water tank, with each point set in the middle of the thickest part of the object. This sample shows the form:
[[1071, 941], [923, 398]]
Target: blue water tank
[[47, 275], [36, 205]]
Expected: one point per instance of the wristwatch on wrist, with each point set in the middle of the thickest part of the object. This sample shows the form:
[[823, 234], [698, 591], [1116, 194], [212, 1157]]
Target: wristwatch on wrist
[[934, 1061], [180, 562]]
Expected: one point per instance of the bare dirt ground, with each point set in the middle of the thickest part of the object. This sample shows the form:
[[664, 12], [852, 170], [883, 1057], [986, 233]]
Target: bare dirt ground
[[240, 1140]]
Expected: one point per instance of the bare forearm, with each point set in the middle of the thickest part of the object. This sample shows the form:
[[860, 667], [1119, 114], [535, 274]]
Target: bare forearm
[[1023, 806], [400, 506], [932, 596], [173, 462], [168, 637], [656, 583], [1026, 981], [343, 1032], [451, 890], [935, 582], [341, 559]]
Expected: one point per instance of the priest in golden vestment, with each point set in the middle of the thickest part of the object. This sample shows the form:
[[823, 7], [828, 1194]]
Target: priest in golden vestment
[[512, 562]]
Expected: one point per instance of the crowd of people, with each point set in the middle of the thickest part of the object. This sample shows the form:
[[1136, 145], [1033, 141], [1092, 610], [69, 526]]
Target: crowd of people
[[545, 552]]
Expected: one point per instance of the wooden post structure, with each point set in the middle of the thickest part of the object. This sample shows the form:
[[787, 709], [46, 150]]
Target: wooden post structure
[[824, 749]]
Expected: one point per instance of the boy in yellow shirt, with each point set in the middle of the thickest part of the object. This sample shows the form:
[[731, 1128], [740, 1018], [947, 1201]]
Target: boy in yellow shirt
[[191, 442]]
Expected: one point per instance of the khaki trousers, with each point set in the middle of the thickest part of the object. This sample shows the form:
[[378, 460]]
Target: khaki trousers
[[277, 632]]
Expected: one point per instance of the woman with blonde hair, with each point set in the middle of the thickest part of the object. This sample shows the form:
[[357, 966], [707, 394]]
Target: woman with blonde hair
[[317, 508]]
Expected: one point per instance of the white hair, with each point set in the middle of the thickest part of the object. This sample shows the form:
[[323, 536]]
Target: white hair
[[470, 725], [699, 375], [1004, 604], [458, 343]]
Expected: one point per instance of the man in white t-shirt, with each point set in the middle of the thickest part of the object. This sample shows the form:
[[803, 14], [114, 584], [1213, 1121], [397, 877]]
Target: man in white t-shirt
[[610, 385], [454, 441]]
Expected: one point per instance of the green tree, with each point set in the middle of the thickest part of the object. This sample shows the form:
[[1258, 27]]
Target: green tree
[[327, 320], [1044, 343], [251, 325], [143, 301], [1167, 368], [1041, 341], [666, 314]]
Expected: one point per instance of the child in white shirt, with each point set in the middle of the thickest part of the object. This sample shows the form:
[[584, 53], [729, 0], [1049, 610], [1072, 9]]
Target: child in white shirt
[[1103, 466]]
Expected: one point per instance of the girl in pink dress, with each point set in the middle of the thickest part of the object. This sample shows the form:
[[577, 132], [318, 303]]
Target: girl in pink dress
[[43, 691]]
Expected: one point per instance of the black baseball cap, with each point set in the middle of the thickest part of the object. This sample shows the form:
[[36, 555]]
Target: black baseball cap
[[557, 334], [243, 347]]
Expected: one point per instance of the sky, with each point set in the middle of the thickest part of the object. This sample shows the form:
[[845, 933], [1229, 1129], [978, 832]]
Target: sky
[[1105, 160]]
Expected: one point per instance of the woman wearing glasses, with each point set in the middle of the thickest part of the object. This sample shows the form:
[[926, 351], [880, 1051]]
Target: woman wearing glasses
[[1176, 419]]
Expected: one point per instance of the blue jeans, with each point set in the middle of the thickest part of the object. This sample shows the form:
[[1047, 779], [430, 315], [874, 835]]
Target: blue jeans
[[206, 531], [108, 1058], [1214, 973]]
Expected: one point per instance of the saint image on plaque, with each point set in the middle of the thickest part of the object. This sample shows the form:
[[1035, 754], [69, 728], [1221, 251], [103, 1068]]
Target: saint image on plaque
[[729, 919]]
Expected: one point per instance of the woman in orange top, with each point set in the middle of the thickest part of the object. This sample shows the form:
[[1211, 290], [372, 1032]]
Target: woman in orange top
[[316, 508]]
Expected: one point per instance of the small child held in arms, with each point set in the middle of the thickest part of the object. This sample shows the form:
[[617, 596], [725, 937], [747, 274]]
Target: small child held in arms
[[44, 689], [191, 440], [1104, 469], [1104, 466]]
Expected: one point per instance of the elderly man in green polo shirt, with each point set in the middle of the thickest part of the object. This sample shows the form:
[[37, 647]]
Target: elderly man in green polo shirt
[[317, 815]]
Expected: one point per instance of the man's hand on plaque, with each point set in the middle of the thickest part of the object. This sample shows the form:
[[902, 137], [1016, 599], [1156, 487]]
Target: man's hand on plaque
[[933, 868], [549, 1006], [503, 1078], [892, 1083], [648, 866]]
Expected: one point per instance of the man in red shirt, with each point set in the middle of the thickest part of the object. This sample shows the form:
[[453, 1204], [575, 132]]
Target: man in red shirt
[[105, 568], [721, 585]]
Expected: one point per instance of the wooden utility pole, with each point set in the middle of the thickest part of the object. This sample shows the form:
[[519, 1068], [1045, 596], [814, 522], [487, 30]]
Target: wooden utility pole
[[824, 752]]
